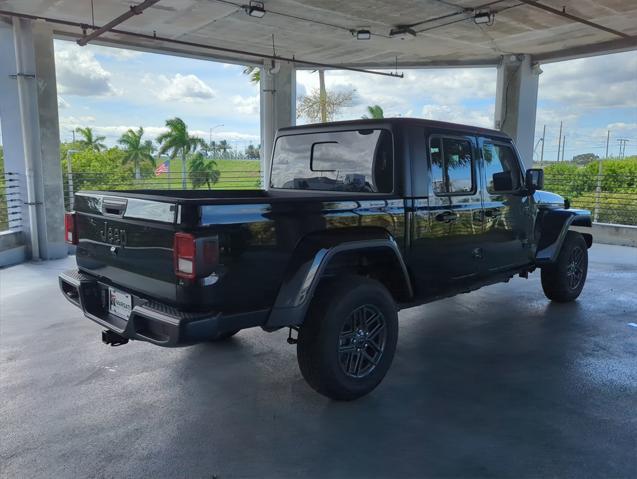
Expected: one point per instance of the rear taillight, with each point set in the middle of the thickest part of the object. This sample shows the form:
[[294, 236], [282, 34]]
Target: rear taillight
[[185, 252], [70, 228], [195, 257]]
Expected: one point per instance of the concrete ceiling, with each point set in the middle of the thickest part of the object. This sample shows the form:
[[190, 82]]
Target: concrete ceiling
[[319, 30]]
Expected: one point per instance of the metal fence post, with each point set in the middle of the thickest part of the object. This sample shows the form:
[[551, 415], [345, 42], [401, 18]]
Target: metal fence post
[[598, 190], [69, 178]]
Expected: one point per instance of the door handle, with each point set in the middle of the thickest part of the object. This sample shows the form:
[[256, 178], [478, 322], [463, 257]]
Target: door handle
[[446, 217]]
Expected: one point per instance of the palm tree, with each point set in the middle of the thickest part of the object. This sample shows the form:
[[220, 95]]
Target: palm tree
[[89, 140], [252, 152], [224, 147], [203, 171], [254, 73], [177, 141], [213, 147], [137, 150], [375, 112]]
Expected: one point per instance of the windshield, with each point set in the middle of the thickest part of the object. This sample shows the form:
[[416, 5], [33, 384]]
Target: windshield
[[357, 161]]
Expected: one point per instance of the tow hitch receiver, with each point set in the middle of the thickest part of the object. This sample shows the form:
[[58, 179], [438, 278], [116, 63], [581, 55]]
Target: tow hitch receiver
[[112, 338]]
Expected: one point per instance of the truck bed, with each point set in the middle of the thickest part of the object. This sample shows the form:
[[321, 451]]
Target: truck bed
[[126, 238]]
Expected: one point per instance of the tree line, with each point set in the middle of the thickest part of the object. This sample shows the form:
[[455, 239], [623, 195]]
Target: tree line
[[197, 156]]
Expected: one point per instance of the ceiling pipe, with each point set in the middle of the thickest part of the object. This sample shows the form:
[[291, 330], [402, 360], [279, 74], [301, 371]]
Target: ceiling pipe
[[234, 51], [134, 10], [575, 18]]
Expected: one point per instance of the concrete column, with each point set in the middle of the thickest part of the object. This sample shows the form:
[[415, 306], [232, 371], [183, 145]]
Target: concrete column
[[278, 107], [516, 102], [30, 130]]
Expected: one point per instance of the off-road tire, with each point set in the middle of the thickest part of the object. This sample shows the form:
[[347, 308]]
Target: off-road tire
[[563, 281], [327, 350], [223, 336]]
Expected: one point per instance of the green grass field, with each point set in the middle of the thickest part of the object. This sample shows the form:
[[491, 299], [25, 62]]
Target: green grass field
[[235, 174]]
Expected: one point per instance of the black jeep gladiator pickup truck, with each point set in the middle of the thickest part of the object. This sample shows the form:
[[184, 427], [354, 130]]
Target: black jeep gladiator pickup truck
[[360, 219]]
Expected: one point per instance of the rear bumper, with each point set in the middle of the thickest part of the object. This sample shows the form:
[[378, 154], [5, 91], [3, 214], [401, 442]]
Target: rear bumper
[[150, 321]]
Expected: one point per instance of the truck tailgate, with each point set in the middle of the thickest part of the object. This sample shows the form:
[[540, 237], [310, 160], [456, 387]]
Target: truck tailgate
[[128, 242]]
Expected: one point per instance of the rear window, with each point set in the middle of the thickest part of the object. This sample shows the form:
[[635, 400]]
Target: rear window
[[359, 161]]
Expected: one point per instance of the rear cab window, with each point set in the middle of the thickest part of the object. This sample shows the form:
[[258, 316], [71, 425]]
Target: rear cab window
[[360, 161], [452, 166]]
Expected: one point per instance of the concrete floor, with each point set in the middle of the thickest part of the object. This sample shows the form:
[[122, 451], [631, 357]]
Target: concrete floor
[[497, 383]]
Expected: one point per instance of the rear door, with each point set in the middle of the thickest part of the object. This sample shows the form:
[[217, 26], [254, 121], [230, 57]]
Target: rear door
[[507, 214], [448, 252]]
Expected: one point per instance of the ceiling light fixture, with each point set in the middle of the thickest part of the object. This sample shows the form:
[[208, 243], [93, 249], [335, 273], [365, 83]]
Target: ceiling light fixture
[[255, 9], [403, 32], [484, 18], [362, 34]]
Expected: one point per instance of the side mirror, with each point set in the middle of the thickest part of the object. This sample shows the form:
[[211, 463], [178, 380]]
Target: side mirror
[[534, 179]]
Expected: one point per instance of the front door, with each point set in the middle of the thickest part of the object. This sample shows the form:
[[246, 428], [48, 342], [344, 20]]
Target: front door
[[507, 218], [448, 252]]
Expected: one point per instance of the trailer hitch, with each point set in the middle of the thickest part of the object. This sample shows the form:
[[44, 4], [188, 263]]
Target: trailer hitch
[[112, 338]]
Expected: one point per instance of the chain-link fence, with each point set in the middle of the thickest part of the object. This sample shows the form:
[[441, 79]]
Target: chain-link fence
[[611, 198], [10, 202]]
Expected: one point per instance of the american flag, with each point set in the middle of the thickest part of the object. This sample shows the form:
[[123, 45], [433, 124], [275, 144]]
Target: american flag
[[163, 168]]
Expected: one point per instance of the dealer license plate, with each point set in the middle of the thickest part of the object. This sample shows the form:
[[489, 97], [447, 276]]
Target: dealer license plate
[[119, 303]]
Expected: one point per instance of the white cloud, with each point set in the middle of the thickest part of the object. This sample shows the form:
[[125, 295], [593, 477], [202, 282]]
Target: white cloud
[[75, 121], [79, 73], [443, 91], [622, 126], [187, 88], [151, 132], [115, 53], [600, 82], [246, 105], [458, 114]]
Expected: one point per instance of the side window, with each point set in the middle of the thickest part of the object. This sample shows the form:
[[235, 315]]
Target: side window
[[451, 165], [501, 167]]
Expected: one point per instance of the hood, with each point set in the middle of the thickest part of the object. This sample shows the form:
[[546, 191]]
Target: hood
[[546, 199]]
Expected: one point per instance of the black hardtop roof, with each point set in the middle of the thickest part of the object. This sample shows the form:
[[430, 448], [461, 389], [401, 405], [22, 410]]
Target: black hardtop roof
[[400, 122]]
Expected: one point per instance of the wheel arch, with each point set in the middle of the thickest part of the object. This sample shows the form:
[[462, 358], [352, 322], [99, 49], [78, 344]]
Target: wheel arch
[[372, 252], [552, 230]]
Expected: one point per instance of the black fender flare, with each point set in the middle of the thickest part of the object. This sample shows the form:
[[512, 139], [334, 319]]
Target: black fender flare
[[554, 226], [297, 290]]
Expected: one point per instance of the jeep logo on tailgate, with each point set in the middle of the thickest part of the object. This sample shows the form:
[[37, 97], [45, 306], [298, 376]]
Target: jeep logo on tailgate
[[113, 235]]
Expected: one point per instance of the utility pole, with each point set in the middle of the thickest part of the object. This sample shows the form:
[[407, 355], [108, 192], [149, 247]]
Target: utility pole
[[559, 142], [542, 150], [563, 146], [607, 141], [622, 147], [73, 133]]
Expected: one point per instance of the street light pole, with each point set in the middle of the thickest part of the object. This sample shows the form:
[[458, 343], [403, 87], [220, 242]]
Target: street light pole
[[211, 130]]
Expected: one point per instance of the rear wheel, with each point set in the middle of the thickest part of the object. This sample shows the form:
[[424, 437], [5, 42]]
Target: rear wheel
[[348, 340], [563, 281]]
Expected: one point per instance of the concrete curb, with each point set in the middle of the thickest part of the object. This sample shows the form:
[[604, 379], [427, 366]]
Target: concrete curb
[[621, 235]]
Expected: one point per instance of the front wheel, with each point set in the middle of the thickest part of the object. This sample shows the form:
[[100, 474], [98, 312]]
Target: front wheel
[[563, 281], [348, 340]]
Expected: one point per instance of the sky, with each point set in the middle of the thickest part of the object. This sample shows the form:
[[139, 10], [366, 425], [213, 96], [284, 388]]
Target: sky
[[112, 90]]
